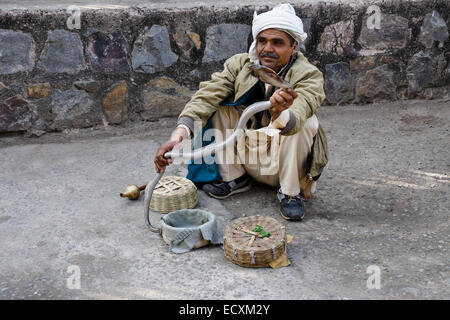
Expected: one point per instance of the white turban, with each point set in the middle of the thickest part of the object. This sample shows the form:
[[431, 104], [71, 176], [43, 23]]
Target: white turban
[[281, 17]]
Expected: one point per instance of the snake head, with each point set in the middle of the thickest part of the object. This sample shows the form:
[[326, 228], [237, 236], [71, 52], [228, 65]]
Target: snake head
[[268, 76]]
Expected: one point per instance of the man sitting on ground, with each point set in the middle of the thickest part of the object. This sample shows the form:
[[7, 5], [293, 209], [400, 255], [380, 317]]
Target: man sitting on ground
[[287, 143]]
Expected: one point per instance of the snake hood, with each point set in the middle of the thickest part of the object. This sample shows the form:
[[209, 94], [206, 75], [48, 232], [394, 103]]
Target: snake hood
[[268, 76]]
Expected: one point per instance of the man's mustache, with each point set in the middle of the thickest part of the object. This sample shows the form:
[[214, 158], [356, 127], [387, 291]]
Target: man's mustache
[[269, 54]]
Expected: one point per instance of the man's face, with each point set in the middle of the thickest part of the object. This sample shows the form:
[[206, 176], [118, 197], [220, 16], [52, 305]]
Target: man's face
[[274, 48]]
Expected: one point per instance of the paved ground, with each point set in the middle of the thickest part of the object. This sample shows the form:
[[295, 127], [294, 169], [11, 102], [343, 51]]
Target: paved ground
[[383, 200]]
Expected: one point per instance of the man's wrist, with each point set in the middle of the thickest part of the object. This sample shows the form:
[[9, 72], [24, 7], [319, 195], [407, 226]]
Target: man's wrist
[[186, 123], [179, 134]]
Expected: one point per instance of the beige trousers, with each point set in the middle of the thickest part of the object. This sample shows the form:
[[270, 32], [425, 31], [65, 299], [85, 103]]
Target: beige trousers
[[267, 156]]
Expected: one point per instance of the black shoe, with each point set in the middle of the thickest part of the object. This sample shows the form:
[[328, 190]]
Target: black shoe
[[222, 190], [291, 207]]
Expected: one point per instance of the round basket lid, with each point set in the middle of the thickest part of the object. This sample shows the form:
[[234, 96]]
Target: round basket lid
[[173, 193], [248, 248]]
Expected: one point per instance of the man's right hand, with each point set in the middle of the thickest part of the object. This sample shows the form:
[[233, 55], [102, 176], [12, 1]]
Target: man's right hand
[[160, 161], [175, 140]]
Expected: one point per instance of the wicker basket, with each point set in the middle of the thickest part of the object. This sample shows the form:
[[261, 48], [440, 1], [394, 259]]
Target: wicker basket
[[173, 193], [243, 248]]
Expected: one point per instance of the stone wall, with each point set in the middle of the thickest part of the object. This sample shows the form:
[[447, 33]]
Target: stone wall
[[142, 64]]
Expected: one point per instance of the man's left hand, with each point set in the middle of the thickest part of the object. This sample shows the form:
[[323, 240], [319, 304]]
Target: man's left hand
[[281, 100]]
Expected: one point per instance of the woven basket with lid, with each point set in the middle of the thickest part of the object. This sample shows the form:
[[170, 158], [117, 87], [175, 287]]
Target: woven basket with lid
[[173, 193], [241, 250]]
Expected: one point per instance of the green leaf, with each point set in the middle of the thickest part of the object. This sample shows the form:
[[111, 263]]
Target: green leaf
[[261, 231]]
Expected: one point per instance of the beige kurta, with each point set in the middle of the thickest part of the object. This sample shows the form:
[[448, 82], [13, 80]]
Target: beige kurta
[[236, 80], [266, 155]]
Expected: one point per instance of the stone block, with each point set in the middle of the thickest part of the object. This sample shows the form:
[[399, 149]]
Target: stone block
[[337, 38], [338, 85], [433, 29], [152, 52], [73, 109], [89, 86], [224, 41], [421, 72], [39, 91], [108, 52], [435, 93], [186, 42], [62, 53], [377, 84], [163, 97], [115, 104], [16, 52], [393, 34], [17, 114]]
